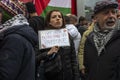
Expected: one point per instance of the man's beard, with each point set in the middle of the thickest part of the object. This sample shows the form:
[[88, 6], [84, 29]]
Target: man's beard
[[108, 26]]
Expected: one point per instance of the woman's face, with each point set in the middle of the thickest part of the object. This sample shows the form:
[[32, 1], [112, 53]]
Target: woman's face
[[56, 20]]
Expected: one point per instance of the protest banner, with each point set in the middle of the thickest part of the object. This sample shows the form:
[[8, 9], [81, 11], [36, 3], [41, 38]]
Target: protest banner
[[50, 38]]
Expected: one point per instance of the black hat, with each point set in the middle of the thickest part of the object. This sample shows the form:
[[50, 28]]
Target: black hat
[[30, 7], [101, 5]]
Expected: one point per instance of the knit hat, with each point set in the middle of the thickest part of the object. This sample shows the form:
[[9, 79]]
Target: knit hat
[[101, 5], [30, 7]]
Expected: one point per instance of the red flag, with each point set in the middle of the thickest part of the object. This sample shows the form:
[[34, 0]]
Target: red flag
[[73, 8], [119, 4], [40, 5]]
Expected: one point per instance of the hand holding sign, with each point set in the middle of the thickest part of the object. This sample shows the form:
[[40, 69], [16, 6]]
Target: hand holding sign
[[53, 50]]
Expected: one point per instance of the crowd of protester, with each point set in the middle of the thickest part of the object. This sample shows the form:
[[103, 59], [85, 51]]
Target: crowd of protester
[[93, 53]]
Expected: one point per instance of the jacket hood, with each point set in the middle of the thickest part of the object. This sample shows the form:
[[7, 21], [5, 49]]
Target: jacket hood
[[18, 25], [72, 30]]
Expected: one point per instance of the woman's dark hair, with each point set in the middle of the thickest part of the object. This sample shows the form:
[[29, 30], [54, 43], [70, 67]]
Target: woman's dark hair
[[67, 19], [81, 18], [48, 16]]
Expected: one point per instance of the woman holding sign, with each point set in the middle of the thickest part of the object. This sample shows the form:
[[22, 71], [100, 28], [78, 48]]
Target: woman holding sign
[[60, 62]]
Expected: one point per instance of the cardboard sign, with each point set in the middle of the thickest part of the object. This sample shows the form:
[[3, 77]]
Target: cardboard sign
[[50, 38]]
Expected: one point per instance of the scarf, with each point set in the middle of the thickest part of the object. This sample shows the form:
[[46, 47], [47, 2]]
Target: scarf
[[101, 38], [16, 20]]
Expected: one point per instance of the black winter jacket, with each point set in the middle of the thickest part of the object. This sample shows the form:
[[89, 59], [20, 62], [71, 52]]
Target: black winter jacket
[[69, 69], [17, 56], [106, 66]]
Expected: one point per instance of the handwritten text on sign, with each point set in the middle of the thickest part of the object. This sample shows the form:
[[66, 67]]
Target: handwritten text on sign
[[50, 38]]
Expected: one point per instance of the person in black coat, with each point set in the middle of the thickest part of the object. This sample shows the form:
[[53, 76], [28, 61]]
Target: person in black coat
[[101, 50], [35, 21], [68, 69], [38, 23], [17, 55], [82, 25]]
